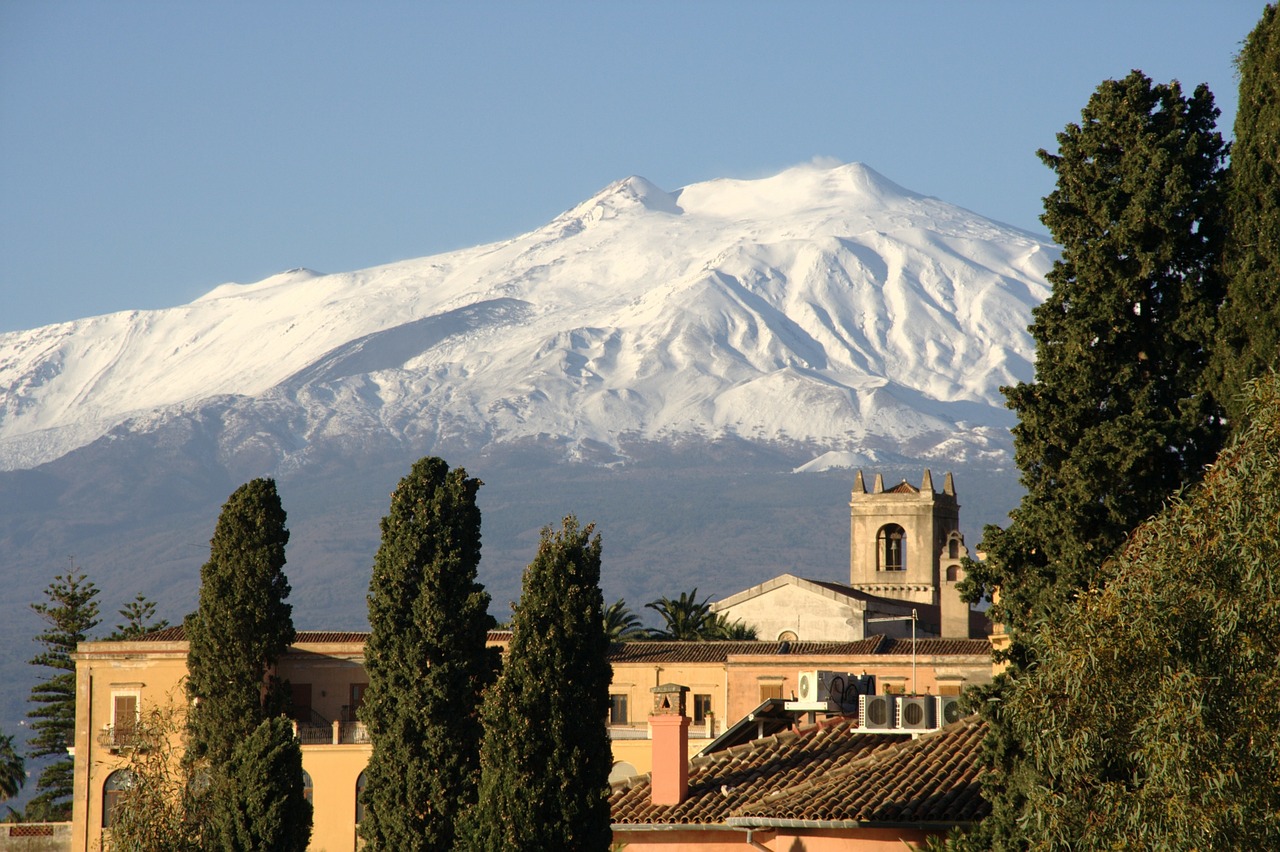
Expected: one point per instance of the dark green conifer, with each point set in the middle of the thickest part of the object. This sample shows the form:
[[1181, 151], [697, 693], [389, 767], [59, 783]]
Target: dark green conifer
[[260, 804], [546, 756], [1249, 342], [241, 627], [1118, 418], [140, 619], [427, 662], [70, 611]]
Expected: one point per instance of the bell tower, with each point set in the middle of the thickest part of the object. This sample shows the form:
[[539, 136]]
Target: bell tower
[[900, 537]]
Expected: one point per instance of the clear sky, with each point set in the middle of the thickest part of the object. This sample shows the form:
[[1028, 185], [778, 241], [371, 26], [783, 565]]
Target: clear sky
[[150, 151]]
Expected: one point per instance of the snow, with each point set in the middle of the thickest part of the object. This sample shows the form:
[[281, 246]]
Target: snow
[[823, 305]]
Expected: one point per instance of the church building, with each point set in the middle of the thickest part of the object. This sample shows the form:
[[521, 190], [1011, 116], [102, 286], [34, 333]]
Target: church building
[[906, 556]]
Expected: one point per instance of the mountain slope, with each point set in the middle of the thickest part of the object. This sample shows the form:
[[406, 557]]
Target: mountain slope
[[826, 308]]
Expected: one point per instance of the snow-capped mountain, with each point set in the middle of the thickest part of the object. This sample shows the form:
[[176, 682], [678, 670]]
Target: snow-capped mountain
[[823, 308]]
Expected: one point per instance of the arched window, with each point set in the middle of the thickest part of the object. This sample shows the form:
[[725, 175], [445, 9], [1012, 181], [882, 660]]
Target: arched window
[[788, 636], [306, 785], [115, 785], [953, 573], [891, 548], [360, 799]]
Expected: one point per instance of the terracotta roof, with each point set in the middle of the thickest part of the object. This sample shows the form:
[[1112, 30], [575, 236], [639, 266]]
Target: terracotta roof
[[933, 779], [179, 634], [902, 487], [938, 647], [720, 651], [830, 772]]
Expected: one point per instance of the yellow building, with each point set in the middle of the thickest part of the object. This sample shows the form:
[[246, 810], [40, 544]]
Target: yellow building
[[118, 681]]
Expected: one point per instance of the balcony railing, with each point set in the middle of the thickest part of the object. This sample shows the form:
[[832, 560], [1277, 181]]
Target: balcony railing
[[118, 738], [334, 733]]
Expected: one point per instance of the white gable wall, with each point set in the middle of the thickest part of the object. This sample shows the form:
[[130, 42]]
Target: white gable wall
[[810, 616]]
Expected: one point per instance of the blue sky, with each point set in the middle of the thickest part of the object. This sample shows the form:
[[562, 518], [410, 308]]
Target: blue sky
[[150, 151]]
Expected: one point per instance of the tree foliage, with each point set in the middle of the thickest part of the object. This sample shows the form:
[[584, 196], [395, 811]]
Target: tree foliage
[[260, 803], [242, 625], [140, 619], [621, 624], [685, 618], [546, 755], [427, 662], [70, 611], [1118, 417], [1153, 710], [13, 770], [1249, 342], [162, 806]]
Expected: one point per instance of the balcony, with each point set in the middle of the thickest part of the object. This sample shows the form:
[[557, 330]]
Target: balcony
[[332, 733], [118, 738], [703, 730]]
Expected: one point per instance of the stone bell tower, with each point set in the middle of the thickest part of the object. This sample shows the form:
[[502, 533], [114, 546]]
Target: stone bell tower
[[905, 544]]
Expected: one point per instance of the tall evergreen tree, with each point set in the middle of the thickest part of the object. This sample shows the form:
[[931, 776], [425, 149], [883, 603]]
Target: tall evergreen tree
[[261, 804], [241, 627], [427, 662], [1118, 417], [140, 619], [1152, 714], [1249, 343], [546, 756], [70, 611]]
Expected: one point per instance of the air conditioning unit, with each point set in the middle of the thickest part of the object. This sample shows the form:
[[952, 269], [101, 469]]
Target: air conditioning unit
[[835, 692], [949, 709], [810, 687], [916, 712], [878, 712]]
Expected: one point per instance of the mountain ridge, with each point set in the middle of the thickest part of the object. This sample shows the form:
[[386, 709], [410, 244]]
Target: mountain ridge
[[708, 311]]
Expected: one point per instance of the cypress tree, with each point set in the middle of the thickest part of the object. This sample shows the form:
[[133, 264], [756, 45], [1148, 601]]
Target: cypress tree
[[1118, 417], [546, 757], [70, 611], [427, 662], [241, 626], [1249, 342], [260, 804]]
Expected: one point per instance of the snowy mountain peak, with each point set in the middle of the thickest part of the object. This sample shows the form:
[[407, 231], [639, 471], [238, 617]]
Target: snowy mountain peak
[[824, 307]]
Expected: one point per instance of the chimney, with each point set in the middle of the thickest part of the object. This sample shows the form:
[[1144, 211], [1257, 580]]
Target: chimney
[[669, 782]]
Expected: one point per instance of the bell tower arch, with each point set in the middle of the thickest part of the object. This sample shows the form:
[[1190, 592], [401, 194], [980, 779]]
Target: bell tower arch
[[898, 537]]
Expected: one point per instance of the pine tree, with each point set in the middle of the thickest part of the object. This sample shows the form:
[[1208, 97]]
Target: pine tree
[[1153, 711], [241, 627], [427, 662], [70, 611], [546, 757], [260, 804], [1118, 418], [1250, 318], [140, 619]]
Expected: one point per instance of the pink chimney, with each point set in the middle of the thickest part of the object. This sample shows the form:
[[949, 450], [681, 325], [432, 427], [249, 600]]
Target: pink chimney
[[669, 782]]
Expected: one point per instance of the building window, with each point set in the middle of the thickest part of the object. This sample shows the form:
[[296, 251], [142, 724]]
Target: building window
[[770, 690], [617, 709], [307, 787], [787, 636], [124, 718], [300, 702], [891, 548], [360, 799], [115, 785], [701, 708]]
